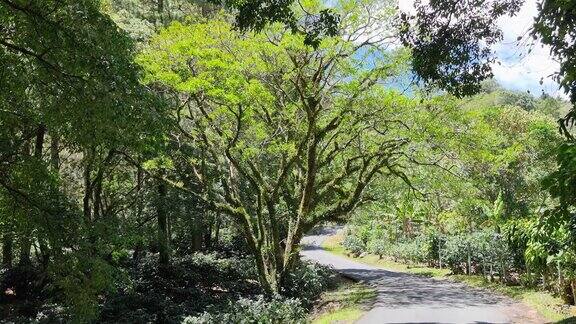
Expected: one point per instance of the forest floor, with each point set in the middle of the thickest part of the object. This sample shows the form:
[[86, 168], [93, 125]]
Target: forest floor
[[411, 295]]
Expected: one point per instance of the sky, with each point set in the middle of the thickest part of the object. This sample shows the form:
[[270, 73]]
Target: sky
[[520, 69]]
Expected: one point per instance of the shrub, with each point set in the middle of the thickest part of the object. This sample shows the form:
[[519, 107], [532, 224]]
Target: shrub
[[307, 281], [486, 249], [455, 253], [410, 252], [379, 247], [188, 285], [259, 310], [434, 244], [354, 244]]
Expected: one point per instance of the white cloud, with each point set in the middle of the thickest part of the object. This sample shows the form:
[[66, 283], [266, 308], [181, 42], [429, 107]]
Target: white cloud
[[522, 64], [406, 5]]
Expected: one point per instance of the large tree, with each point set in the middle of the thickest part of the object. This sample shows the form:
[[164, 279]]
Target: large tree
[[276, 134]]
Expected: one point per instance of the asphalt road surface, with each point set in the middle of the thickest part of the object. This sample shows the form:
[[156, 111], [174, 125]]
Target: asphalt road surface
[[407, 298]]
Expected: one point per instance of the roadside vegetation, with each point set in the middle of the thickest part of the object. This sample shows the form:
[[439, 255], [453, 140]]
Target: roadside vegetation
[[345, 304], [551, 307], [334, 245]]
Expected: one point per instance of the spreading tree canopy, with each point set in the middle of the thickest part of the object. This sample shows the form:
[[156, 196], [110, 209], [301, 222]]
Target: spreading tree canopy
[[277, 134]]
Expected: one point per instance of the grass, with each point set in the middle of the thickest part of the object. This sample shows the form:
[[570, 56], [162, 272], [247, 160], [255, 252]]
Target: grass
[[345, 304], [550, 307]]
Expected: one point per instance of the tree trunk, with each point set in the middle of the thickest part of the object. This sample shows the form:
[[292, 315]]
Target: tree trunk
[[24, 242], [207, 238], [7, 250], [163, 238], [139, 186], [504, 275], [55, 153], [491, 273], [25, 245], [86, 201], [439, 256], [216, 237], [97, 202], [137, 254], [44, 253], [573, 286], [560, 277], [87, 192], [38, 151], [274, 261], [268, 272], [197, 239], [40, 132], [268, 269], [469, 263]]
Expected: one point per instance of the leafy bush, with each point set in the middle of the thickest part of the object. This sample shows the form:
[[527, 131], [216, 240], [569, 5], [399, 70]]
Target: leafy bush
[[307, 281], [216, 268], [354, 244], [188, 285], [486, 250], [434, 243], [259, 310], [455, 253], [231, 242], [379, 247], [81, 280], [413, 251]]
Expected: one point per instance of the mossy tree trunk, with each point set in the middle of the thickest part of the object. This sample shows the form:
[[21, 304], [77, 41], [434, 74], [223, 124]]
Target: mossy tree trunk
[[163, 231]]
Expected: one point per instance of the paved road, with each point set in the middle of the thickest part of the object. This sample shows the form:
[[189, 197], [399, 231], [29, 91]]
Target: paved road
[[406, 298]]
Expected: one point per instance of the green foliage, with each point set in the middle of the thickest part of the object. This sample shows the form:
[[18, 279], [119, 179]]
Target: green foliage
[[190, 285], [553, 26], [562, 183], [307, 281], [484, 181], [241, 90], [551, 247], [413, 251], [82, 280], [455, 56], [494, 94], [354, 244], [258, 310], [70, 80], [486, 250], [141, 19], [55, 43], [309, 18], [379, 247], [131, 127]]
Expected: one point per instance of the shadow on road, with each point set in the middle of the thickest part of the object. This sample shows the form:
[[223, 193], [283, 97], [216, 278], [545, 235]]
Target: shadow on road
[[408, 298], [401, 289]]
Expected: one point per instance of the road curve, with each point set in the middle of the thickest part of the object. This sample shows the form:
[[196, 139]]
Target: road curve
[[407, 298]]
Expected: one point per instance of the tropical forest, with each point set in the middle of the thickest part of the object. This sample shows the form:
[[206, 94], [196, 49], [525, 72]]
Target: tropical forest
[[287, 161]]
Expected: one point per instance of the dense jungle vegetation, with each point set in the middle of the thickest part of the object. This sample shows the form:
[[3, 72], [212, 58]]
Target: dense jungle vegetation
[[161, 160]]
